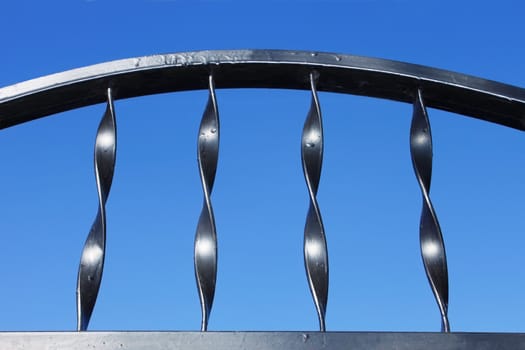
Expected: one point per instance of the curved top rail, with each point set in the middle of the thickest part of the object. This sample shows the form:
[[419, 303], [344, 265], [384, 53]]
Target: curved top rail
[[483, 99]]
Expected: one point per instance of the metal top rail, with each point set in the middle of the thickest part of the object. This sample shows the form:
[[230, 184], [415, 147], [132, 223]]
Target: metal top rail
[[455, 92]]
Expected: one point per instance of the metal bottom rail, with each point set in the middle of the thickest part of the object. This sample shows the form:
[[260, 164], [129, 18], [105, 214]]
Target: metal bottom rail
[[259, 340]]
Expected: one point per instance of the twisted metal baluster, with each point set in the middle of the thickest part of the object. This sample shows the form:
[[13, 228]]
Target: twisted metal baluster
[[431, 240], [315, 249], [92, 260], [205, 257]]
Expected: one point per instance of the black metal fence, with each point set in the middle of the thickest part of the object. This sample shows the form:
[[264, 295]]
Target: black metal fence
[[418, 85]]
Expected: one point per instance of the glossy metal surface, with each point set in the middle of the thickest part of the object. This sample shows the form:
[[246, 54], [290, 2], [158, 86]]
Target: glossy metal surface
[[455, 92], [459, 93], [315, 249], [261, 340], [206, 235], [431, 240], [92, 259]]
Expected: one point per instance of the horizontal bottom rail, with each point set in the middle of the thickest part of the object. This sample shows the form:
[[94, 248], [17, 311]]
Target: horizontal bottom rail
[[259, 340]]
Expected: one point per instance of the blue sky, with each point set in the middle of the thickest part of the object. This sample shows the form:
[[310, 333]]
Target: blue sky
[[368, 193]]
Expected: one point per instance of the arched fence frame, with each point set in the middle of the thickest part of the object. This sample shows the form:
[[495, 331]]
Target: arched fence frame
[[419, 85]]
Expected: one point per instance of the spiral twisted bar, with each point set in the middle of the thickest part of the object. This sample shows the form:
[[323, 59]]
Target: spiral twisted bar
[[205, 255], [431, 240], [92, 259], [315, 249]]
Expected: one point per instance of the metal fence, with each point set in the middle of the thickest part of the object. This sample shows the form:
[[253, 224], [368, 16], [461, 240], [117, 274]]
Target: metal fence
[[418, 85]]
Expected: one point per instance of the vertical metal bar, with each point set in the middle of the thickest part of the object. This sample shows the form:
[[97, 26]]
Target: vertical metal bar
[[431, 239], [205, 255], [315, 249], [92, 259]]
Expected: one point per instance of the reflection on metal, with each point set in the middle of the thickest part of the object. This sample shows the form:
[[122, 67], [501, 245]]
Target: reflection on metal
[[206, 236], [260, 341], [431, 240], [315, 250], [92, 260], [459, 93]]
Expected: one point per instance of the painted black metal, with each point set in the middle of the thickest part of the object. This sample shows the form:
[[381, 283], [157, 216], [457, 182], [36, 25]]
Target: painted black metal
[[205, 254], [428, 87], [459, 93], [93, 254], [260, 341], [431, 239], [315, 249]]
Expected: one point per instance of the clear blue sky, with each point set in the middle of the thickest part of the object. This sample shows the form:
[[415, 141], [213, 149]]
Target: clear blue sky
[[368, 193]]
